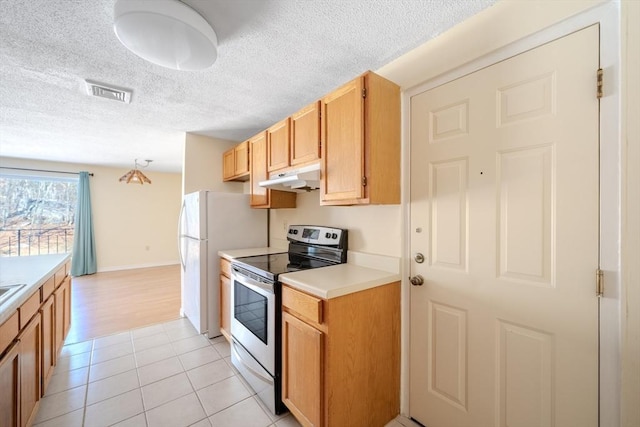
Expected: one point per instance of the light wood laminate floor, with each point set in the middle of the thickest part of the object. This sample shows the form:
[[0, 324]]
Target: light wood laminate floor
[[116, 301]]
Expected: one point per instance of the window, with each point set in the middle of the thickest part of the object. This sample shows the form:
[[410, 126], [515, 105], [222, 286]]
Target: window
[[37, 215]]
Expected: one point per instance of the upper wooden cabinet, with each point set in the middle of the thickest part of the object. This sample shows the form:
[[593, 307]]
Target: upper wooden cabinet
[[278, 140], [305, 135], [260, 196], [294, 141], [360, 143], [235, 163]]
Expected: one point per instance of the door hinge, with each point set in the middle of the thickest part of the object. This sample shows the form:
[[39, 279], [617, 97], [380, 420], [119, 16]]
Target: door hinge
[[364, 92], [599, 83], [599, 283], [364, 181]]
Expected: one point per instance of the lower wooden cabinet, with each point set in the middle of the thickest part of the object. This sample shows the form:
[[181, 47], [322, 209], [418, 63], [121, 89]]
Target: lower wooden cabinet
[[49, 352], [225, 298], [30, 340], [302, 377], [62, 297], [67, 306], [225, 307], [10, 387], [341, 357]]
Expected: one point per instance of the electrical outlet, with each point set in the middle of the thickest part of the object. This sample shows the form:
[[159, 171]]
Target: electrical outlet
[[285, 226]]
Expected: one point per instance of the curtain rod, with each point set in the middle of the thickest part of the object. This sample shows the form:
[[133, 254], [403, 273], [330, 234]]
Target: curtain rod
[[42, 170]]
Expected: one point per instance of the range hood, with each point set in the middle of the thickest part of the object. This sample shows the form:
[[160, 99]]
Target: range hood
[[298, 180]]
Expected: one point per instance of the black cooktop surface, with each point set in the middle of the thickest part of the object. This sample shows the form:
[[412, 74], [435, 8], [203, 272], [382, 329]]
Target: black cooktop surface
[[272, 265]]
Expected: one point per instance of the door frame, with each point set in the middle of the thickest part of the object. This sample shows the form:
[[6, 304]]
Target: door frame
[[607, 15]]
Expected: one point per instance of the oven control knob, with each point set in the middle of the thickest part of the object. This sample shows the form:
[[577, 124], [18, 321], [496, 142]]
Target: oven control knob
[[328, 235], [295, 231], [334, 236]]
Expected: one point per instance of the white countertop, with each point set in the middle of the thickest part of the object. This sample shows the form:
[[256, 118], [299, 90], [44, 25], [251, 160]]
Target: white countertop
[[338, 280], [237, 253], [31, 270], [335, 281]]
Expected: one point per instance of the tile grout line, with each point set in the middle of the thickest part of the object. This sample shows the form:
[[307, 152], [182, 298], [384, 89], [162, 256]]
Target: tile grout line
[[86, 388], [135, 362], [210, 343]]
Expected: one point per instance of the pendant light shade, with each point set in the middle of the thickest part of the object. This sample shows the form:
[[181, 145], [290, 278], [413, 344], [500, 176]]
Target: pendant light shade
[[165, 32], [135, 176]]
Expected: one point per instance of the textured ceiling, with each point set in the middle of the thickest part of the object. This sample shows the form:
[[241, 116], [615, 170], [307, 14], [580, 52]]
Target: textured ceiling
[[274, 57]]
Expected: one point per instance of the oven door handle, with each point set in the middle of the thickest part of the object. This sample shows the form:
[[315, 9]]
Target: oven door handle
[[251, 282], [267, 379]]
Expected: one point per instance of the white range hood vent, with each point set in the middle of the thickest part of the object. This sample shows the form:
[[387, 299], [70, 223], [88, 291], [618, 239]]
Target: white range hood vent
[[299, 180]]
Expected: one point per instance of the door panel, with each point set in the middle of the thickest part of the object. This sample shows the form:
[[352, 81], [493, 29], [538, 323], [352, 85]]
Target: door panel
[[504, 206], [343, 143], [258, 154]]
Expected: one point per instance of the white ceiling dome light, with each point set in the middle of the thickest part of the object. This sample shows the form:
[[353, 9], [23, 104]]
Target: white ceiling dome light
[[166, 32]]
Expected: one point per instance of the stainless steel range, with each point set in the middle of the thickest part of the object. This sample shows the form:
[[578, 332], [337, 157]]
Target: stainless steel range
[[256, 304]]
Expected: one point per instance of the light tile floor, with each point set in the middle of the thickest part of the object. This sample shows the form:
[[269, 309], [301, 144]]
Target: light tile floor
[[160, 375]]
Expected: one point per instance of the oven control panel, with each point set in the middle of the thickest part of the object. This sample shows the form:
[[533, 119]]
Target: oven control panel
[[317, 235]]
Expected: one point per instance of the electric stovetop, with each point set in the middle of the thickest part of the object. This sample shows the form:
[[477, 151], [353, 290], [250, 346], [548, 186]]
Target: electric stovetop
[[271, 265]]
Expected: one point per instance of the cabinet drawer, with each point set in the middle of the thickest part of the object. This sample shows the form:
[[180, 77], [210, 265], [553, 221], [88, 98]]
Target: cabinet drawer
[[9, 331], [306, 305], [48, 287], [225, 267], [29, 308]]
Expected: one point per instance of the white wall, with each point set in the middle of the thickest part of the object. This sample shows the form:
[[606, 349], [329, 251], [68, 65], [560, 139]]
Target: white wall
[[202, 165], [495, 27], [375, 229], [134, 225]]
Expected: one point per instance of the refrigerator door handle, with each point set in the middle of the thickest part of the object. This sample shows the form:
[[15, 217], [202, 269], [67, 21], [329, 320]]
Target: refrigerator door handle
[[184, 266]]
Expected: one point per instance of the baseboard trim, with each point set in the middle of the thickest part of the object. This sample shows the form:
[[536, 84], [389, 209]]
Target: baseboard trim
[[133, 267]]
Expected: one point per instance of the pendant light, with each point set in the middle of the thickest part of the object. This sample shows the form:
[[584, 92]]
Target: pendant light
[[165, 32], [135, 176]]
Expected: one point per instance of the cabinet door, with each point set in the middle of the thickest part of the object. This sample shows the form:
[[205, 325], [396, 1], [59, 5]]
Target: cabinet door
[[225, 306], [59, 307], [278, 138], [258, 152], [10, 387], [67, 306], [342, 163], [241, 159], [30, 369], [305, 135], [228, 164], [302, 370], [48, 341]]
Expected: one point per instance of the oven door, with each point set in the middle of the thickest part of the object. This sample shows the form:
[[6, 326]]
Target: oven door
[[253, 306]]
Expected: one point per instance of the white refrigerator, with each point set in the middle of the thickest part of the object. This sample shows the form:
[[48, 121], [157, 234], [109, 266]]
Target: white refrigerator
[[210, 222]]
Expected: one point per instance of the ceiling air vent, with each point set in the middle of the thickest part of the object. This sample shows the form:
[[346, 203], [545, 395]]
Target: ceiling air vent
[[110, 92]]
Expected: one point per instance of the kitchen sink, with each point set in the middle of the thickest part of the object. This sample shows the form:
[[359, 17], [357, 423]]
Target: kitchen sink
[[7, 290]]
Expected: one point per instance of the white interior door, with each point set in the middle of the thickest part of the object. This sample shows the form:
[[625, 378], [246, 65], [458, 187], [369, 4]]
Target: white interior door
[[504, 207]]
